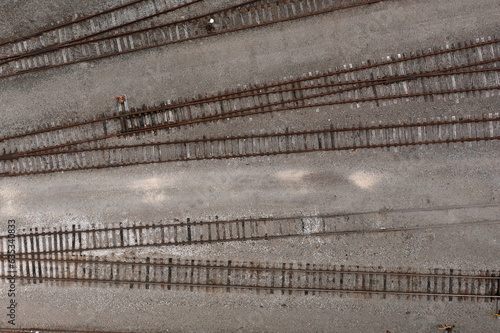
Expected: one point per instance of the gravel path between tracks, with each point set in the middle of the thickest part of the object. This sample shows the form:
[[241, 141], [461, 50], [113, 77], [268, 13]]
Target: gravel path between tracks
[[184, 311]]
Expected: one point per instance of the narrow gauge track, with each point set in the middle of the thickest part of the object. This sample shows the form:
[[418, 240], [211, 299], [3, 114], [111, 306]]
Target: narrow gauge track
[[248, 15], [90, 238], [284, 278], [108, 21], [416, 133], [67, 24], [421, 75]]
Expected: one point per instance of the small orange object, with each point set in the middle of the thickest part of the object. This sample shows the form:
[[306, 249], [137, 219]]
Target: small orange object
[[121, 99], [354, 150]]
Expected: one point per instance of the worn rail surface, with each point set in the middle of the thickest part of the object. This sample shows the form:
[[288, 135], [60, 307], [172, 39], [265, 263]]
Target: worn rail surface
[[90, 238], [246, 15], [269, 278], [372, 136], [443, 73], [107, 22]]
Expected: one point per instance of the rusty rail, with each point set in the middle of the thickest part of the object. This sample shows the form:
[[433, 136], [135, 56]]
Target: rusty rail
[[226, 96], [85, 39], [50, 151], [57, 148], [289, 150], [268, 108], [251, 26], [199, 232], [38, 33], [346, 282]]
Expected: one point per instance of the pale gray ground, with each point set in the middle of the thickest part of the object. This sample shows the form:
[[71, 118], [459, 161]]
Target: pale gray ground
[[184, 311], [435, 176]]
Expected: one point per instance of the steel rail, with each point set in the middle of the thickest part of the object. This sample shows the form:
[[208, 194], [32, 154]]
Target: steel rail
[[243, 267], [244, 112], [192, 18], [47, 151], [344, 71], [184, 159], [221, 96], [82, 40], [234, 114], [251, 26], [168, 10], [207, 15], [268, 237], [369, 83], [241, 286], [259, 219], [241, 94], [388, 145], [248, 27], [358, 100], [55, 47], [38, 33]]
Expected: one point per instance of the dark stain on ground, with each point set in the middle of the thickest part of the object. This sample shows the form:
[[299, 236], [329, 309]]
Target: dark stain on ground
[[324, 177]]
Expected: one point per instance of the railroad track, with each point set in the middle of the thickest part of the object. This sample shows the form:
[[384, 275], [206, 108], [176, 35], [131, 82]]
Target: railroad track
[[372, 136], [446, 72], [283, 278], [245, 15], [106, 22], [78, 239]]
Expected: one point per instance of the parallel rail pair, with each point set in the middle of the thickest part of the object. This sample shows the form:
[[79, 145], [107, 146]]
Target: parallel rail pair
[[128, 236], [245, 15], [285, 278], [454, 131], [463, 70], [377, 80]]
